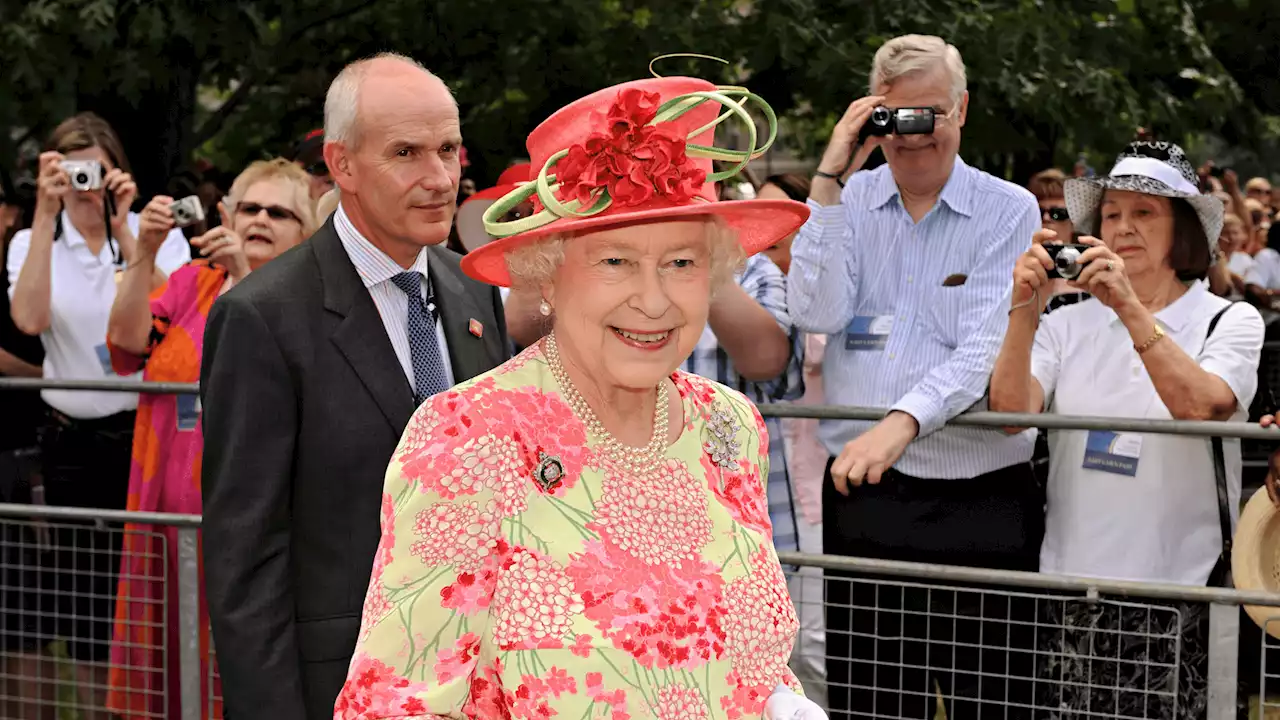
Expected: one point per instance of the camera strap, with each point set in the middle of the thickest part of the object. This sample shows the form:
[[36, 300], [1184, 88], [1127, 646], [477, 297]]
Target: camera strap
[[1220, 575], [108, 209]]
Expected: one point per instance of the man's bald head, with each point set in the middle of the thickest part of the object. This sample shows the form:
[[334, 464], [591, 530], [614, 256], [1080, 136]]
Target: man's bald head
[[400, 74]]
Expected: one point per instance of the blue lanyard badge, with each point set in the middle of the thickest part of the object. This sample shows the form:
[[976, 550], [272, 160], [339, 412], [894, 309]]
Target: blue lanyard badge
[[104, 357], [1115, 453], [868, 333], [188, 412]]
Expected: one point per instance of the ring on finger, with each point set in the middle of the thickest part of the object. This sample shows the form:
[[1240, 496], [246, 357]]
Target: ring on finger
[[1111, 265]]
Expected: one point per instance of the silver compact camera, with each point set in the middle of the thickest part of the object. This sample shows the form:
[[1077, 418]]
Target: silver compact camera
[[187, 211], [85, 175], [1066, 260]]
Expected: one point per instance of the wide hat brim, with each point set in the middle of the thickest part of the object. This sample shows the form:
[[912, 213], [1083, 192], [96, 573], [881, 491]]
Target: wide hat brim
[[760, 224], [470, 216], [1255, 557], [1084, 198]]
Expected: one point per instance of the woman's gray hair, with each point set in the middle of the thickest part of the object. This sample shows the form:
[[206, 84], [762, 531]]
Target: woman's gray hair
[[535, 264], [915, 54]]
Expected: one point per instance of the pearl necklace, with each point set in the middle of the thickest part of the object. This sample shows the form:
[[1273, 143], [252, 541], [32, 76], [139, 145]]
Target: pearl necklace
[[639, 460]]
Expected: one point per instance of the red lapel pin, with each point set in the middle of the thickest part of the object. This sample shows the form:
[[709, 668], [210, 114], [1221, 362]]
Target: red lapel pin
[[476, 328]]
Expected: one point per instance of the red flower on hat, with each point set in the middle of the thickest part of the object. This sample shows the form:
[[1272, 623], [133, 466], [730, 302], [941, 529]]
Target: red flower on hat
[[633, 160]]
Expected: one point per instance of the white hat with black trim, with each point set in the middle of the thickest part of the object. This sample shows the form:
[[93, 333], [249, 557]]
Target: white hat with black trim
[[1151, 168]]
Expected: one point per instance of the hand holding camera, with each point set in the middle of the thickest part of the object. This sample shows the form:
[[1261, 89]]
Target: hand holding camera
[[52, 184], [123, 191], [154, 225], [224, 246], [844, 140]]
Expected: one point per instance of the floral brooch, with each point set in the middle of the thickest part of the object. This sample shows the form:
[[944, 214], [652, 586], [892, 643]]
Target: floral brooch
[[720, 437]]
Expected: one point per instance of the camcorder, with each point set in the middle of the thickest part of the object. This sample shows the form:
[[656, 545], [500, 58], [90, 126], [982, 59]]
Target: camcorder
[[902, 121], [1066, 260], [85, 175], [187, 211]]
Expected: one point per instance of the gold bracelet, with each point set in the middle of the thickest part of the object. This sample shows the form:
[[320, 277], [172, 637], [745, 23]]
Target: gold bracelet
[[1155, 338]]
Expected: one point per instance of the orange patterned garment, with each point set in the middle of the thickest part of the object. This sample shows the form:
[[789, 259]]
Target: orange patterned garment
[[165, 477]]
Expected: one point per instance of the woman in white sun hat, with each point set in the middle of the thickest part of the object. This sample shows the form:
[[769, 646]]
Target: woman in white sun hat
[[1153, 342]]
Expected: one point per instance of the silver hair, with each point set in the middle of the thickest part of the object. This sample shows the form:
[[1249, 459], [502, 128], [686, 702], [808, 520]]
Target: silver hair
[[914, 54], [341, 102], [535, 264]]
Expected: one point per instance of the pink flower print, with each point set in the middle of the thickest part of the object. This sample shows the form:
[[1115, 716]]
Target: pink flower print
[[472, 592], [662, 616], [374, 689], [534, 603], [560, 682], [487, 698], [519, 361], [661, 520], [530, 698], [746, 701], [760, 623], [741, 492], [376, 606], [582, 646], [459, 660], [676, 702], [458, 534]]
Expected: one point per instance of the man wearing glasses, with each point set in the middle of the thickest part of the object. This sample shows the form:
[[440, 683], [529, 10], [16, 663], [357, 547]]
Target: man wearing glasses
[[907, 268]]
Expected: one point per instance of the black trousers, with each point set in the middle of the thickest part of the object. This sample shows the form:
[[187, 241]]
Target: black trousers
[[898, 650]]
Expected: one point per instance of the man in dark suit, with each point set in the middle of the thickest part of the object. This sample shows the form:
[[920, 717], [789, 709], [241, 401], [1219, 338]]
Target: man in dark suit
[[312, 368]]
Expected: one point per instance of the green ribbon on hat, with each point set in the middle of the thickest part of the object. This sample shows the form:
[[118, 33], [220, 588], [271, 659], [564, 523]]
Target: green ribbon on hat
[[732, 98]]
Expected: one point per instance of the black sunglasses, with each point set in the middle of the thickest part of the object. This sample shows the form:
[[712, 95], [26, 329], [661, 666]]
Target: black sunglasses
[[1056, 214], [318, 169], [275, 212]]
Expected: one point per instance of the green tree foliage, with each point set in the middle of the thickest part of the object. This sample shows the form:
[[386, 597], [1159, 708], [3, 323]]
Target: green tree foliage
[[236, 80]]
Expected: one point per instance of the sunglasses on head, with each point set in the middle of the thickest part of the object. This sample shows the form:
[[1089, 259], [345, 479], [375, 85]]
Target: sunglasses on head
[[275, 212], [1056, 214]]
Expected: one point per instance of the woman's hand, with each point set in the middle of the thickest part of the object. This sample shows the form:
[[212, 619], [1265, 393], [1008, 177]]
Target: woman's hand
[[124, 191], [1031, 272], [154, 225], [1273, 466], [786, 704], [1103, 275], [52, 184], [224, 246]]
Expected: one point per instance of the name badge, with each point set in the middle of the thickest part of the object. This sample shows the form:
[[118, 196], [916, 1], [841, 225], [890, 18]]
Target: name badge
[[188, 412], [104, 357], [868, 333], [1115, 453]]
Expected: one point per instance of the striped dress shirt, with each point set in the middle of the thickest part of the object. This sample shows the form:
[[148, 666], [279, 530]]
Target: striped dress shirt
[[376, 269], [764, 282], [933, 295]]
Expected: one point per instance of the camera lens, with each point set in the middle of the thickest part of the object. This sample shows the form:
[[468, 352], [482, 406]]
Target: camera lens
[[880, 116], [81, 178]]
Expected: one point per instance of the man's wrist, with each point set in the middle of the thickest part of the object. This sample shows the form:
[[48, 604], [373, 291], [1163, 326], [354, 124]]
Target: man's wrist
[[903, 420]]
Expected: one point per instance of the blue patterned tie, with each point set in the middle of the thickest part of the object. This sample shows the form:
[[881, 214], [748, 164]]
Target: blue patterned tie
[[428, 366]]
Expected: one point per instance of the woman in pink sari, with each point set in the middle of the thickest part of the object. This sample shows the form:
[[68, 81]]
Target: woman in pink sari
[[268, 211]]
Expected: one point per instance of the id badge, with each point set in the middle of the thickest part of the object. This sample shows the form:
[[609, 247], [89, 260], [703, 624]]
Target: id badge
[[868, 333], [188, 412], [1110, 452], [104, 357]]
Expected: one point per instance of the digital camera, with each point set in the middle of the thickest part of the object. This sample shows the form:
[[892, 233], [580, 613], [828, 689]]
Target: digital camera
[[85, 175], [903, 121], [1066, 260], [187, 211]]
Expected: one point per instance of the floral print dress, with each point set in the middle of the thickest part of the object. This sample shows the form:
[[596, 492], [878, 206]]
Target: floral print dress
[[522, 574]]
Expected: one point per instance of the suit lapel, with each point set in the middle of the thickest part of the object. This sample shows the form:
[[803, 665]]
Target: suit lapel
[[360, 334], [467, 353]]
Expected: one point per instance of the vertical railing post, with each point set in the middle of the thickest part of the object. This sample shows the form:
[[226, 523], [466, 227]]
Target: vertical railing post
[[1224, 670], [189, 621]]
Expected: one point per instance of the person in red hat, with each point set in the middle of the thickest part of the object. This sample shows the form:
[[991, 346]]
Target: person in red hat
[[585, 528], [309, 155]]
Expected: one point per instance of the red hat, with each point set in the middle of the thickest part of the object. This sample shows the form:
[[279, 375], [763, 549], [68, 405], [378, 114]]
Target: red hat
[[633, 153], [470, 217]]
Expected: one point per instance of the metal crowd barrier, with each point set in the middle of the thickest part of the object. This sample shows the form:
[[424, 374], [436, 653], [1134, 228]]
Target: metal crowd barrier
[[908, 640]]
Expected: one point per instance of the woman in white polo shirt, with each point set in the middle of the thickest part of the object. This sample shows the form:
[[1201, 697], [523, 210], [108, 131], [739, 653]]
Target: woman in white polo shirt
[[62, 282], [1133, 506]]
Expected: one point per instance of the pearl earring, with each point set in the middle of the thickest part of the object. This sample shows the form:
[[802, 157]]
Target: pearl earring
[[545, 308]]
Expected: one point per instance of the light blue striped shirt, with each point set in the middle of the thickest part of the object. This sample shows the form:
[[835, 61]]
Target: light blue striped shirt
[[873, 279]]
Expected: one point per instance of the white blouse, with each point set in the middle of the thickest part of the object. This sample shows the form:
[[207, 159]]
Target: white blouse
[[1137, 506], [83, 288]]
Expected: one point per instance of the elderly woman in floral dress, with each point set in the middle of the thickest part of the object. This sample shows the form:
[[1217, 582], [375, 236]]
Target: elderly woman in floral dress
[[583, 532]]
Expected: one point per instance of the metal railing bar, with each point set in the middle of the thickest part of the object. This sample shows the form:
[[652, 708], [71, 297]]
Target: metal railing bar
[[1200, 428], [57, 512], [103, 385], [921, 572]]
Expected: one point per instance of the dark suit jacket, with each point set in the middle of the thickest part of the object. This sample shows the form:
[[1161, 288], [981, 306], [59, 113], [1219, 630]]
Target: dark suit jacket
[[304, 403]]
